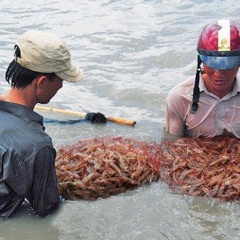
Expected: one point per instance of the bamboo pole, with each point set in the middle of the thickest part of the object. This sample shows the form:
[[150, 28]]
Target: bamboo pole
[[82, 115]]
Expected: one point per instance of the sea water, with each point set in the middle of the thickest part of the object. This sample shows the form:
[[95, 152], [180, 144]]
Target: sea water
[[132, 52]]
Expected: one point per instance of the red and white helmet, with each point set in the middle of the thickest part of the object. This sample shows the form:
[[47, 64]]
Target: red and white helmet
[[219, 44]]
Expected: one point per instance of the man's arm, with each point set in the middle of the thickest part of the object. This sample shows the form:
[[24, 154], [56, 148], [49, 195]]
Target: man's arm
[[174, 123], [45, 196]]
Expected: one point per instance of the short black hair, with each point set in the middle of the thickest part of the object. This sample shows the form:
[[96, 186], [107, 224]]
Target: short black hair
[[20, 77]]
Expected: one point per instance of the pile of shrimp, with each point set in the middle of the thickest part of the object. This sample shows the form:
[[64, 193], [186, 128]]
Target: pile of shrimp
[[202, 167], [100, 167], [106, 166]]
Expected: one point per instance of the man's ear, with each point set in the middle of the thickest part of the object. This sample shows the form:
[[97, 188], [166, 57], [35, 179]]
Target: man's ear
[[41, 80]]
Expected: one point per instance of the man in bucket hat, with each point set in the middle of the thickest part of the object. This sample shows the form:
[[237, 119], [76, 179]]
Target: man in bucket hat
[[208, 105], [27, 156]]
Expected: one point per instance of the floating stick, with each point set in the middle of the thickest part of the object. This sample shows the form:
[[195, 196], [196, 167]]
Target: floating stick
[[83, 115]]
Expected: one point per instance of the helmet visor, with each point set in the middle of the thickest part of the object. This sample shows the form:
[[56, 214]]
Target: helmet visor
[[221, 63]]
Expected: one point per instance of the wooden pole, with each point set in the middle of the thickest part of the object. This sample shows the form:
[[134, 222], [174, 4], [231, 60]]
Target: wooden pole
[[82, 115]]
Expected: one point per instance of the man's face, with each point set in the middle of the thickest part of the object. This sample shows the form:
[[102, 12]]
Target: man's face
[[219, 82], [48, 89]]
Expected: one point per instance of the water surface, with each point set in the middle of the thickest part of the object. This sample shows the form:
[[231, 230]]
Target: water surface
[[133, 52]]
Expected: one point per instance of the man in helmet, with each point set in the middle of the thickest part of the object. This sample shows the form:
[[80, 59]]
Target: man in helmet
[[27, 156], [209, 104]]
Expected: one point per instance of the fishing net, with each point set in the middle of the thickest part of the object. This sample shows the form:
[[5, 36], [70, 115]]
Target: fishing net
[[202, 166], [106, 166], [101, 167]]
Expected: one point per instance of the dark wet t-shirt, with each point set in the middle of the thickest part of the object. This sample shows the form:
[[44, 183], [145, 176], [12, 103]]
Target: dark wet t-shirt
[[27, 158]]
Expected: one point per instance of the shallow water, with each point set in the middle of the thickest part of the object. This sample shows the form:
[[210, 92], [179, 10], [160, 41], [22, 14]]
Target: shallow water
[[133, 52]]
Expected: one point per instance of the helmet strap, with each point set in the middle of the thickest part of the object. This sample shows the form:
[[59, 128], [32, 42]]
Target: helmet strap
[[196, 91]]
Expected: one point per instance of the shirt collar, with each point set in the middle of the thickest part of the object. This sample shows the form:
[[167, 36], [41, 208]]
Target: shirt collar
[[21, 111]]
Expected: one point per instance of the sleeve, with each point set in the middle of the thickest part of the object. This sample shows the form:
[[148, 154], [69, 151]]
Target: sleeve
[[45, 196], [175, 119]]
